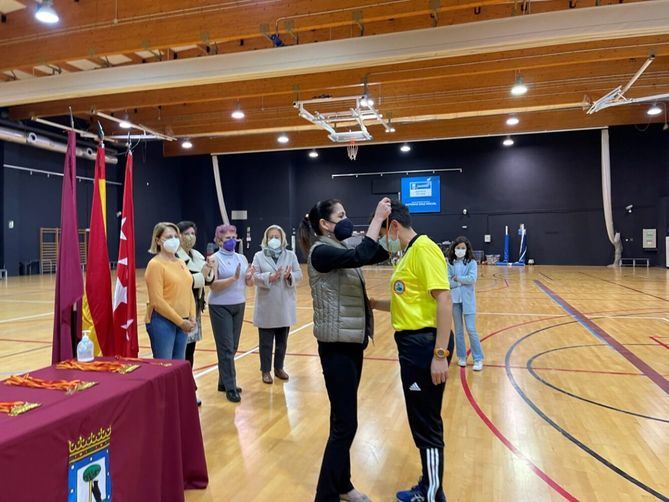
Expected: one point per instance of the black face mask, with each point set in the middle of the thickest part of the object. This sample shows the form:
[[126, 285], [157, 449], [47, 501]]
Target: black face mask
[[343, 229]]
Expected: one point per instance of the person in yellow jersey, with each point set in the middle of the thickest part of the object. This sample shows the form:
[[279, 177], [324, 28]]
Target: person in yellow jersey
[[420, 310]]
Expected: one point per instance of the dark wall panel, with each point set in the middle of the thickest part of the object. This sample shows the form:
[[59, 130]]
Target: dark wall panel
[[33, 201], [549, 182]]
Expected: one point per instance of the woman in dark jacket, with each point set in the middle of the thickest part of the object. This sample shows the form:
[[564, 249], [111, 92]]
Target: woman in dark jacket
[[343, 323]]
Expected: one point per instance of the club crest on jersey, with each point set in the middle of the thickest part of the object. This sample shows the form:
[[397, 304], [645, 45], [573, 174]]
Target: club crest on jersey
[[399, 287]]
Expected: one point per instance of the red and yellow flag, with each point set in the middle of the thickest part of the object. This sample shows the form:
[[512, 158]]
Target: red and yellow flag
[[97, 305]]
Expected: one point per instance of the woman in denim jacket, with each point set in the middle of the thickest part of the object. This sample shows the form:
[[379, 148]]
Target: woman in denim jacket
[[462, 275]]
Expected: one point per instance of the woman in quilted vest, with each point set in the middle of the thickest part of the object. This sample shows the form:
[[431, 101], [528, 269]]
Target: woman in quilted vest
[[343, 323]]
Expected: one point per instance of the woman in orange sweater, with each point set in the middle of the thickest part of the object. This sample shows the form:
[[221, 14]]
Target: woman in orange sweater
[[170, 313]]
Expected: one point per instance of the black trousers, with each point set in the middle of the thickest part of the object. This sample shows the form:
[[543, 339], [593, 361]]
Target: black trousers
[[226, 322], [342, 368], [423, 402], [190, 353], [266, 345]]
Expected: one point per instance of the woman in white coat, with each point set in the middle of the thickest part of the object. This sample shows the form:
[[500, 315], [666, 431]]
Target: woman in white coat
[[276, 275]]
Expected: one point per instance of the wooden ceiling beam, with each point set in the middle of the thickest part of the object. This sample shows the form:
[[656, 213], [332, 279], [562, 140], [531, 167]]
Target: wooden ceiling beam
[[475, 126], [109, 38], [470, 66], [134, 58], [404, 112], [588, 79], [67, 66]]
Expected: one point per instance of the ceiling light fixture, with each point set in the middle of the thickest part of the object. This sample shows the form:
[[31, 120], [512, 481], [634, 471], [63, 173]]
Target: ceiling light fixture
[[519, 88], [124, 124], [654, 110], [283, 139], [512, 121], [45, 13], [313, 154], [186, 144], [366, 101], [508, 142], [238, 114], [405, 148]]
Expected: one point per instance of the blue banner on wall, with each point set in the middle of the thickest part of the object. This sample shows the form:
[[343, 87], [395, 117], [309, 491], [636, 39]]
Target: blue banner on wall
[[422, 194]]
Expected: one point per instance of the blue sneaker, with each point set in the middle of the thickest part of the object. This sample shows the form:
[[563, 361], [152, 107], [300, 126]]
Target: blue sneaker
[[418, 493], [415, 494]]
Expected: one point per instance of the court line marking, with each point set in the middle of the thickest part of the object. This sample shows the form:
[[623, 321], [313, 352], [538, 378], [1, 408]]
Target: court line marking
[[529, 366], [492, 427], [34, 316], [565, 433], [626, 287], [12, 354], [520, 314], [656, 340], [505, 441], [558, 428], [244, 354], [606, 338], [9, 300]]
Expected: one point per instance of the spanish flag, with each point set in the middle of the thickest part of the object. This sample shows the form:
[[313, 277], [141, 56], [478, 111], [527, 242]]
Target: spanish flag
[[97, 305]]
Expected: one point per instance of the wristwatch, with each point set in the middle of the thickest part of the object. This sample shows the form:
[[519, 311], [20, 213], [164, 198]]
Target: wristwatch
[[440, 353]]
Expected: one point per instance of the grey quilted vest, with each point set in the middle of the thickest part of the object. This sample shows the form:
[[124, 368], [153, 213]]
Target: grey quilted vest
[[339, 301]]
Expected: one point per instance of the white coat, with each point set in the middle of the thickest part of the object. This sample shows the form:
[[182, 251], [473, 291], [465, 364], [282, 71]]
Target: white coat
[[275, 303]]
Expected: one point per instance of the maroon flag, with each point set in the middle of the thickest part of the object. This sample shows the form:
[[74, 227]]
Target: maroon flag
[[69, 281], [125, 292]]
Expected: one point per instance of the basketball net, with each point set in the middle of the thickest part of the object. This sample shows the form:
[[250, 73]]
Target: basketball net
[[352, 150]]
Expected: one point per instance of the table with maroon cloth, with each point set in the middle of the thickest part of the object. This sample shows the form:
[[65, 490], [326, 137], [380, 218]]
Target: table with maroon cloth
[[155, 448]]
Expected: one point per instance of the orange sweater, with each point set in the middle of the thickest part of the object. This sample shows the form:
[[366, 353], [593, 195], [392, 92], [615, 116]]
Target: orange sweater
[[170, 287]]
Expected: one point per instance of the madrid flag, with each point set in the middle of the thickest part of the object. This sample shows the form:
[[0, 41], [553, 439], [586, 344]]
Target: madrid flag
[[125, 294]]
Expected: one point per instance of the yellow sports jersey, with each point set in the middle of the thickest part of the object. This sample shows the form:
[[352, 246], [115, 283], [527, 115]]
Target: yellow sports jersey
[[421, 270]]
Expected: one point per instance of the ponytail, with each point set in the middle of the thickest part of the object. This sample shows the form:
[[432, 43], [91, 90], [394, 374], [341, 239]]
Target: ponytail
[[305, 235], [310, 227]]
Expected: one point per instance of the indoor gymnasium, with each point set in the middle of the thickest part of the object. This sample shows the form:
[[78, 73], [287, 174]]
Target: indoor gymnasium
[[318, 250]]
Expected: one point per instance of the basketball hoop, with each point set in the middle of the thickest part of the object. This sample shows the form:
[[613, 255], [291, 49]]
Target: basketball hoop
[[352, 150]]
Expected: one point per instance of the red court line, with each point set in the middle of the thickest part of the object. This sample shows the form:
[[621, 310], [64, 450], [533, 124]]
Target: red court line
[[506, 285], [635, 360], [301, 354], [474, 404], [533, 467], [626, 287], [656, 340]]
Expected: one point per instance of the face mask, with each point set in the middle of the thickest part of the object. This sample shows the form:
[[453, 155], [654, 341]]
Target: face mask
[[393, 246], [171, 245], [343, 229], [274, 243], [188, 241], [230, 244], [460, 253]]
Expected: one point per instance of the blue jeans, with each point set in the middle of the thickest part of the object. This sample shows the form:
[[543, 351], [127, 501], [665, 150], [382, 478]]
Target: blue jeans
[[168, 341], [470, 323]]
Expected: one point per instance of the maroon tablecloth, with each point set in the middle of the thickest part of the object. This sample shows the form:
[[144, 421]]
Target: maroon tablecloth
[[155, 449]]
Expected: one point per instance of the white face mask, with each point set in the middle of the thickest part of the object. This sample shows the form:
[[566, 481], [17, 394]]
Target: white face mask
[[460, 253], [171, 245], [274, 243]]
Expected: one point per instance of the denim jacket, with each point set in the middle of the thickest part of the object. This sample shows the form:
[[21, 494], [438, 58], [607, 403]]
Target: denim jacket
[[463, 290]]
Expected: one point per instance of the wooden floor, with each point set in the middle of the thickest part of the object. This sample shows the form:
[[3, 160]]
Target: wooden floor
[[573, 402]]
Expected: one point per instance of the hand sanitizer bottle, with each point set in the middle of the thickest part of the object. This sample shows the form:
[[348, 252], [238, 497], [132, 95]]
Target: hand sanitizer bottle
[[85, 349]]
